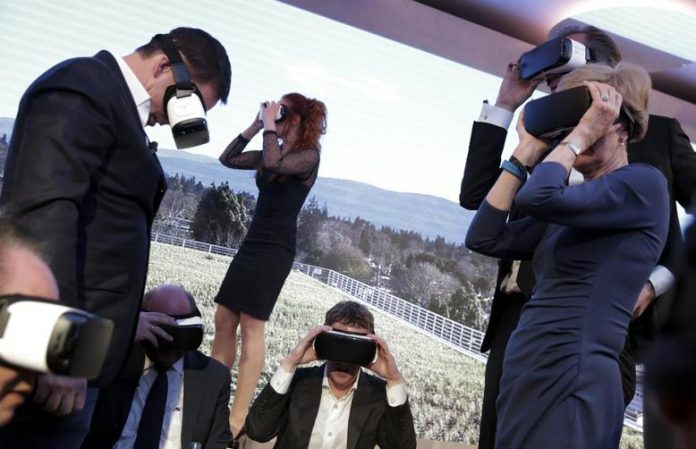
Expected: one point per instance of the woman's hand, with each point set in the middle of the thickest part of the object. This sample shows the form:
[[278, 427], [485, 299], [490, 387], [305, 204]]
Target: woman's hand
[[269, 114], [256, 125], [598, 119], [254, 128], [529, 149]]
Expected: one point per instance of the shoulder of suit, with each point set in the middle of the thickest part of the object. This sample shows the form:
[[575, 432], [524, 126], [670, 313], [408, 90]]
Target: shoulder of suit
[[199, 361], [661, 120], [309, 372], [81, 73], [376, 382]]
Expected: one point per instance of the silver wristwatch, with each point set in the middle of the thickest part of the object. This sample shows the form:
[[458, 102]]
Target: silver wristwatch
[[572, 146]]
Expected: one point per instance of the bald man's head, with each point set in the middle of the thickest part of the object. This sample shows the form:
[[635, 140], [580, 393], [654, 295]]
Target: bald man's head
[[22, 272], [170, 299]]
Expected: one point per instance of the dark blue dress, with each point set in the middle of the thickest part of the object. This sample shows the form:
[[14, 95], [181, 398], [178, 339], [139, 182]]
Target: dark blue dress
[[593, 247]]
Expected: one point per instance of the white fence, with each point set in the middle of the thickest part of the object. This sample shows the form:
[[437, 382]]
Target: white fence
[[456, 335]]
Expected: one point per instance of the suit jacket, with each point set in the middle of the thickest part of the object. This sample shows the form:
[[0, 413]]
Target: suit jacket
[[206, 403], [291, 416], [665, 146], [80, 176]]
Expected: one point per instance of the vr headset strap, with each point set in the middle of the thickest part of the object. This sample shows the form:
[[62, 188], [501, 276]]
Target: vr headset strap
[[181, 74]]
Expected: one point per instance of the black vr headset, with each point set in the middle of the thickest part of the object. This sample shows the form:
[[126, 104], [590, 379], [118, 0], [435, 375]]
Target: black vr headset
[[187, 335], [280, 115], [47, 337], [183, 101], [554, 116], [345, 347], [558, 55]]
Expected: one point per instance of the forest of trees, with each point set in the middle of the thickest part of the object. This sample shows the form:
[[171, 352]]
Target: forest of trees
[[444, 277]]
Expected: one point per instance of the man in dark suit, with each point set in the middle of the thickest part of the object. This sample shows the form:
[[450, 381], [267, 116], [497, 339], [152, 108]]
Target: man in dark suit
[[335, 404], [665, 146], [195, 406], [80, 175]]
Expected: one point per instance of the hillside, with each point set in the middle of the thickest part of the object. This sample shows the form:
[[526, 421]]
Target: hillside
[[427, 215], [445, 387]]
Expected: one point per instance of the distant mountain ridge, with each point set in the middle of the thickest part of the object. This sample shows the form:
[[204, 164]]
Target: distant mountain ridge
[[427, 215]]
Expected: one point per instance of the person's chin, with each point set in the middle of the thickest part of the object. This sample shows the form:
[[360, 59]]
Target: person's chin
[[344, 372]]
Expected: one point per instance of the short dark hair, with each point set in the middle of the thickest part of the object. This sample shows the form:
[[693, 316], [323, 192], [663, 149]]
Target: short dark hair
[[205, 57], [351, 313], [12, 236], [602, 48]]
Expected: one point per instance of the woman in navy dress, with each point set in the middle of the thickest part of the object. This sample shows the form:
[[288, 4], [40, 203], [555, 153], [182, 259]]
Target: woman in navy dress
[[593, 246], [285, 173]]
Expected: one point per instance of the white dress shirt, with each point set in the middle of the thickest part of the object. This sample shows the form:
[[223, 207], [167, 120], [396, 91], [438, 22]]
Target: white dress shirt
[[661, 277], [173, 412], [330, 429], [140, 96]]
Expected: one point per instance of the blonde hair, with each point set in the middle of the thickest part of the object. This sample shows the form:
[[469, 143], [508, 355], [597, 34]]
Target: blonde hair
[[630, 80]]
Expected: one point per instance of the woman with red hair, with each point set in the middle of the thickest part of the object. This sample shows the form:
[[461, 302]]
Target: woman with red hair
[[285, 173]]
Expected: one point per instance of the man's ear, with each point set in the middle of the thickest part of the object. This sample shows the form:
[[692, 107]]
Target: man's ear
[[161, 65]]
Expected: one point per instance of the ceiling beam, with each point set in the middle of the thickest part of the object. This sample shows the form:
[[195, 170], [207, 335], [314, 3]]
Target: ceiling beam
[[426, 28]]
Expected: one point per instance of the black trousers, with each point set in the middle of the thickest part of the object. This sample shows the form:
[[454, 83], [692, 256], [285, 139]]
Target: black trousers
[[494, 368]]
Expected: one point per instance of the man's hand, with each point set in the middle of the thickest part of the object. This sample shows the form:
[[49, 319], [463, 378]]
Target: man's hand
[[148, 327], [514, 90], [60, 395], [304, 351], [385, 365], [645, 298]]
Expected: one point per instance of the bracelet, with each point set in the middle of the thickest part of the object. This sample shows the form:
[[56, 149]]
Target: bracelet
[[520, 165], [270, 131], [514, 170], [572, 146]]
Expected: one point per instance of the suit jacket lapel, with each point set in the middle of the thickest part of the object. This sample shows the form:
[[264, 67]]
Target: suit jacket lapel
[[193, 394], [110, 60], [306, 405], [360, 409]]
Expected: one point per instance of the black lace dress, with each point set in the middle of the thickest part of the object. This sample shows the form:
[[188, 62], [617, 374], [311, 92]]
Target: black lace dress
[[264, 260]]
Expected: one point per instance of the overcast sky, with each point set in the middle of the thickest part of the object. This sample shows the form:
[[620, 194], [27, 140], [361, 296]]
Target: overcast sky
[[399, 118]]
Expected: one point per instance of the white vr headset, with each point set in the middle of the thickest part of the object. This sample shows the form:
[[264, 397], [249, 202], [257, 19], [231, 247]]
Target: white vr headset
[[47, 337], [558, 55], [183, 101]]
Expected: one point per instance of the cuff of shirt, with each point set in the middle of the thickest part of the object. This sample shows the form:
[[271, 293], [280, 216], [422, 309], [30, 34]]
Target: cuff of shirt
[[396, 395], [661, 279], [495, 116], [281, 380]]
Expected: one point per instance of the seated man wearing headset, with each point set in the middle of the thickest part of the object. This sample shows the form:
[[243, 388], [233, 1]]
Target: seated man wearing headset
[[169, 394], [312, 407]]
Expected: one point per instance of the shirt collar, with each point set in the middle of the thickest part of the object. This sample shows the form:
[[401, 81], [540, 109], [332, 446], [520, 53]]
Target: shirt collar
[[140, 96], [178, 366]]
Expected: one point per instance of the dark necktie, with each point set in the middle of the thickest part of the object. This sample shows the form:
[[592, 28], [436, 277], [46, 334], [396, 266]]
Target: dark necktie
[[152, 418]]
